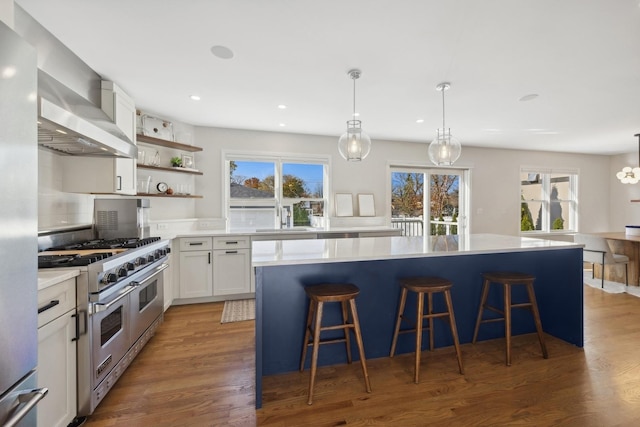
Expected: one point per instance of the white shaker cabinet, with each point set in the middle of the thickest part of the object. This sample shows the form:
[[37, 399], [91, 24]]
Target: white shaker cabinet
[[196, 269], [57, 354], [231, 265]]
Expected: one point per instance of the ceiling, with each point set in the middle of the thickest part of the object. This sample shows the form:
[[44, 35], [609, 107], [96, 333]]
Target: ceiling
[[581, 57]]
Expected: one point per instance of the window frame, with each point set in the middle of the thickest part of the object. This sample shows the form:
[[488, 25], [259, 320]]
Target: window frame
[[278, 201], [545, 177]]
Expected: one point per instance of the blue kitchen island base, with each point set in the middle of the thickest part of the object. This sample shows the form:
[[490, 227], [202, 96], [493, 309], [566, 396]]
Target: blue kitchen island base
[[281, 303]]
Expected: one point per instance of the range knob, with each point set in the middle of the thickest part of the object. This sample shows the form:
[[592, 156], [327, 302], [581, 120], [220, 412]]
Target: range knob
[[110, 278], [130, 266], [141, 261], [122, 272], [151, 258]]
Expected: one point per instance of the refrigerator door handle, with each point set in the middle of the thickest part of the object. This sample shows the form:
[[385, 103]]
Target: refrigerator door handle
[[30, 399]]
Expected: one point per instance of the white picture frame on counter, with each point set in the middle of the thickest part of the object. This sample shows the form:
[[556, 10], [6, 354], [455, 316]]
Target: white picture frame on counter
[[344, 204], [366, 205]]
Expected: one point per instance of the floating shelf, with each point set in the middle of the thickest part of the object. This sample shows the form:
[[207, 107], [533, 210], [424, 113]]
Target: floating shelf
[[178, 170], [165, 143], [173, 196]]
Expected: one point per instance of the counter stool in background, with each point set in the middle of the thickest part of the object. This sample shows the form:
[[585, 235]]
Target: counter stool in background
[[508, 279], [429, 286], [318, 295]]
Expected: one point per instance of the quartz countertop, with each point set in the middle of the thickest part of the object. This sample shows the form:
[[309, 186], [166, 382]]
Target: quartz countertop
[[48, 278], [276, 231], [308, 251]]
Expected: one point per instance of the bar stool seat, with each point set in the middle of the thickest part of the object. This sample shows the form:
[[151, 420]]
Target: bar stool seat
[[318, 296], [507, 279], [422, 286]]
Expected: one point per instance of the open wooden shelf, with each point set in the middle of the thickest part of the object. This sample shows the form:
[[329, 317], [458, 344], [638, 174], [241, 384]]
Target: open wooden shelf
[[165, 143], [173, 196], [178, 170]]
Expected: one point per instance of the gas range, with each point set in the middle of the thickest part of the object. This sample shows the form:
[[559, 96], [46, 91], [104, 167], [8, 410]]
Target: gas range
[[107, 262]]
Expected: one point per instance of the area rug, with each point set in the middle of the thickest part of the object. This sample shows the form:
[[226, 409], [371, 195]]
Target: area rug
[[610, 287], [238, 310]]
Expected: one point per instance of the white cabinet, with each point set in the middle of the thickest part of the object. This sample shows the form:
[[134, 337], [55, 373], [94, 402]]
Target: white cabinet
[[231, 265], [196, 271], [106, 175], [57, 354]]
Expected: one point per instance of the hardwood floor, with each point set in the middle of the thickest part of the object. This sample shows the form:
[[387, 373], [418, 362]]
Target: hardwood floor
[[198, 372]]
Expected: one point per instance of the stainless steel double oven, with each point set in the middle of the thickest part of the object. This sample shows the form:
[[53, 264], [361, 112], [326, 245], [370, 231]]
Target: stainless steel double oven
[[120, 302]]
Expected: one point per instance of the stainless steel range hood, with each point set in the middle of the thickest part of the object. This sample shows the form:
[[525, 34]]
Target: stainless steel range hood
[[70, 124]]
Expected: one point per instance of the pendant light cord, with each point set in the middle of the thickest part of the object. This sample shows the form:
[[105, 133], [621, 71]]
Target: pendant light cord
[[443, 128], [354, 97]]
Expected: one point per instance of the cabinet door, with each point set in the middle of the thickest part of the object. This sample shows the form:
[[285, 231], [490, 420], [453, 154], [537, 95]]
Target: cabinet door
[[168, 284], [125, 176], [57, 371], [231, 272], [196, 274]]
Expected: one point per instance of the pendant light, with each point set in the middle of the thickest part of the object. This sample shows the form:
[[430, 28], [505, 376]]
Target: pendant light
[[445, 149], [628, 175], [354, 145]]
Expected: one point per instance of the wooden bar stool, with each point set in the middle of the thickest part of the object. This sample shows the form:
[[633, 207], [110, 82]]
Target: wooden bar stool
[[429, 286], [508, 279], [318, 295]]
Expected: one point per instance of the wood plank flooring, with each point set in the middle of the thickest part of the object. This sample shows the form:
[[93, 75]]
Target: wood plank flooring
[[198, 372]]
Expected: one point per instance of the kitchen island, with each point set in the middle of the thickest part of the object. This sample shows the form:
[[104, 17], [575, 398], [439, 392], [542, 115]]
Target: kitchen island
[[283, 268]]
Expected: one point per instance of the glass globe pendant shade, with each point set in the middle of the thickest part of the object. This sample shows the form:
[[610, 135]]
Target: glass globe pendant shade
[[354, 145], [445, 149], [628, 175]]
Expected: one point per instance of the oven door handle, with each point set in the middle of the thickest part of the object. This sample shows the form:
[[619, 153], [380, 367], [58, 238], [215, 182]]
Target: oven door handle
[[157, 270], [99, 306]]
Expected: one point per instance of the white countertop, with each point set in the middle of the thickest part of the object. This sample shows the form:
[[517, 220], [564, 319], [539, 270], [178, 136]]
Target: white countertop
[[289, 252], [275, 231], [48, 278]]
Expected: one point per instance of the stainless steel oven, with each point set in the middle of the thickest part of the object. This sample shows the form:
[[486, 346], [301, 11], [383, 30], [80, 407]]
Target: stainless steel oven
[[121, 324]]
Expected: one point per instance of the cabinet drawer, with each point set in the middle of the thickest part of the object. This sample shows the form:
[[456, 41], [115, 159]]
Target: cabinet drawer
[[232, 242], [56, 300], [195, 244]]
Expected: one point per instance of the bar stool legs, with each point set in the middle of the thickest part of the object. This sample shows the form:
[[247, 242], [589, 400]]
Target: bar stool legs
[[428, 286], [508, 279], [319, 294]]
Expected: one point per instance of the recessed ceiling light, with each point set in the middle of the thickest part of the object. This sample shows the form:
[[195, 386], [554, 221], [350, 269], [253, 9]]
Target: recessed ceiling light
[[222, 52], [529, 97], [195, 97], [356, 114], [420, 121], [282, 125], [282, 107]]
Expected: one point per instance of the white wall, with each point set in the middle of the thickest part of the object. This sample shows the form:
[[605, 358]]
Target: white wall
[[495, 174], [57, 209], [7, 12]]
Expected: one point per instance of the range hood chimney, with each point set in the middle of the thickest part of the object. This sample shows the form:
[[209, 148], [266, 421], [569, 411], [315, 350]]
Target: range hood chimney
[[70, 124]]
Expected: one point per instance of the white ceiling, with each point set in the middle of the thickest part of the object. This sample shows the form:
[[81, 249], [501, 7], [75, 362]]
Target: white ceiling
[[582, 57]]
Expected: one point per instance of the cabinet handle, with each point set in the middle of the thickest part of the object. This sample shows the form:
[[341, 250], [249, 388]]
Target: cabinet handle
[[196, 243], [52, 304], [231, 252], [231, 243], [209, 257], [77, 337], [119, 186]]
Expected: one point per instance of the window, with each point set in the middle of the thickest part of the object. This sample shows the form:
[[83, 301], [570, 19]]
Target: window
[[548, 201], [268, 192], [442, 201]]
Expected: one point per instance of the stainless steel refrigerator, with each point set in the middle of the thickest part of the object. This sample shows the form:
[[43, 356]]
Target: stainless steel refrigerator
[[18, 231]]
